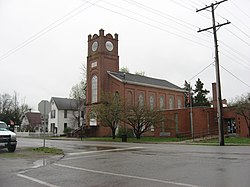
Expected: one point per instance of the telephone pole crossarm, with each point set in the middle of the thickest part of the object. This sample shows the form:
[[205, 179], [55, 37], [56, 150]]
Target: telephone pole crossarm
[[219, 25], [213, 4]]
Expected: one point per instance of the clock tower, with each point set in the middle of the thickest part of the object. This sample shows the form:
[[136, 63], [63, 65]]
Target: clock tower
[[102, 57]]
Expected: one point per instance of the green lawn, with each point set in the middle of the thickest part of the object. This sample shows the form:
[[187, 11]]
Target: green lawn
[[214, 141], [228, 141], [134, 140]]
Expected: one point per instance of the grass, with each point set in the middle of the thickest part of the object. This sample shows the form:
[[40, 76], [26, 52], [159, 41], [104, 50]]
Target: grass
[[48, 150], [31, 152], [134, 140], [228, 141]]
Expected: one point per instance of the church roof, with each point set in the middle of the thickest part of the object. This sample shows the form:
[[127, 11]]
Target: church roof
[[144, 81], [65, 103]]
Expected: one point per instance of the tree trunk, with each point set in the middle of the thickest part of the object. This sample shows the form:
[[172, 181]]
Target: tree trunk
[[138, 136], [113, 133]]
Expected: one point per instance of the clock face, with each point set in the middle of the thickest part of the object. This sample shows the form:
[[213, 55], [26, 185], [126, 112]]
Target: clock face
[[109, 45], [94, 46]]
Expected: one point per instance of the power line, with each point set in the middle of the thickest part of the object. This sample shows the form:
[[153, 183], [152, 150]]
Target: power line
[[235, 76], [240, 9], [151, 25], [235, 17], [235, 60], [162, 14], [200, 72], [156, 21], [238, 37], [241, 31], [242, 56], [45, 30]]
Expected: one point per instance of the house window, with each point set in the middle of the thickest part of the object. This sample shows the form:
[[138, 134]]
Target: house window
[[65, 113], [141, 99], [53, 114], [94, 89], [152, 102], [162, 103], [171, 102], [65, 126]]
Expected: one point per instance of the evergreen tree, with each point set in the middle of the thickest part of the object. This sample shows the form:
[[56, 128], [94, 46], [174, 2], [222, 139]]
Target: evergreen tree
[[200, 98]]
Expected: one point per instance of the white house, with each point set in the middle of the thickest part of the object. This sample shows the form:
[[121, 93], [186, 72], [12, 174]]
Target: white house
[[65, 113]]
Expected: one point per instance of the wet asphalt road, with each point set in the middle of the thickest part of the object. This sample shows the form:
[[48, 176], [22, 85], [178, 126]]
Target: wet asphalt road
[[121, 164]]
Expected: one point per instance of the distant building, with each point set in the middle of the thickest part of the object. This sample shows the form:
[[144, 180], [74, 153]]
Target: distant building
[[32, 122], [65, 113]]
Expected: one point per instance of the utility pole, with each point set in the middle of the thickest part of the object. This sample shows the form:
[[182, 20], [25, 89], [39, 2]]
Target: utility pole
[[213, 6]]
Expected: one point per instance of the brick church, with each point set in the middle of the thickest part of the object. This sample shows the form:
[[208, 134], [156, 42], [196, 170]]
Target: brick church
[[103, 76]]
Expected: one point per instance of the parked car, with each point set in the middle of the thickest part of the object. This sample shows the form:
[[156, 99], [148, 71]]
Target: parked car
[[7, 138]]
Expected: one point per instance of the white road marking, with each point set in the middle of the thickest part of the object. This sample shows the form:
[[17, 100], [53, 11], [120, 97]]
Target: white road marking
[[103, 151], [127, 176], [80, 157], [36, 180]]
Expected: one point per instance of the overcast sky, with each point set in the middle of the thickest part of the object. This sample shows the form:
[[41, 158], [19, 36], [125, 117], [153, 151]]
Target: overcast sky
[[44, 42]]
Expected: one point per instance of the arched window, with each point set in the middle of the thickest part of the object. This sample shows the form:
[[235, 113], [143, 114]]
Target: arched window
[[129, 98], [152, 102], [179, 103], [162, 102], [94, 89], [171, 102], [141, 99]]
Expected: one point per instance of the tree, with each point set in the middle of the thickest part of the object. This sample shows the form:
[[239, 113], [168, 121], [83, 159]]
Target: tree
[[141, 118], [200, 95], [124, 70], [141, 73], [109, 111], [11, 109], [78, 92], [242, 107]]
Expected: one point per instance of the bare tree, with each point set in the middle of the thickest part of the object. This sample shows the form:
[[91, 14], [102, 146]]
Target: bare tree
[[78, 93], [242, 107], [11, 109], [141, 118], [109, 111]]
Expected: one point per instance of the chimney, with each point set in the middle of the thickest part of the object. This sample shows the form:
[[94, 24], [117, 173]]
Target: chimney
[[214, 95]]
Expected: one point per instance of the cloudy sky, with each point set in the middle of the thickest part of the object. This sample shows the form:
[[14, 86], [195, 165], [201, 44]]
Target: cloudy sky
[[43, 43]]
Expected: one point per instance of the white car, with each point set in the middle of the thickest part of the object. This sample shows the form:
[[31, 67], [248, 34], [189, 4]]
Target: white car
[[7, 138]]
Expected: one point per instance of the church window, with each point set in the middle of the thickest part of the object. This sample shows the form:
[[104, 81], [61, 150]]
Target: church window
[[179, 102], [162, 102], [171, 102], [151, 102], [94, 89], [141, 99]]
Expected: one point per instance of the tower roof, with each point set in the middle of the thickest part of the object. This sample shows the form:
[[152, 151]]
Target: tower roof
[[144, 81]]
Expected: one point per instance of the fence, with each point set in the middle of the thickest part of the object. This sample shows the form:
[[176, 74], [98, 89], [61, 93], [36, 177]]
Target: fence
[[33, 134]]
